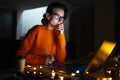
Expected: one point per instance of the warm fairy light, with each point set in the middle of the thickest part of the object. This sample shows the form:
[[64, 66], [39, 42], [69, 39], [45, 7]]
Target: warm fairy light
[[77, 71], [110, 78], [87, 72], [109, 72], [61, 78], [104, 78], [73, 74], [116, 65], [40, 73], [34, 68], [28, 72], [34, 72], [40, 67], [28, 65], [53, 73]]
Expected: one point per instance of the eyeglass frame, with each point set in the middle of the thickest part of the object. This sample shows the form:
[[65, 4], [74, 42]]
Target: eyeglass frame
[[58, 17]]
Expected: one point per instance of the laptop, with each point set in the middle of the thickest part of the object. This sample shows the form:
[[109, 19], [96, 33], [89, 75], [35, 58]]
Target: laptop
[[100, 57]]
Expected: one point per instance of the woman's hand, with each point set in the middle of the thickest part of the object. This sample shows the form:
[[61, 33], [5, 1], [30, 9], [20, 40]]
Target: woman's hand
[[60, 28], [49, 60]]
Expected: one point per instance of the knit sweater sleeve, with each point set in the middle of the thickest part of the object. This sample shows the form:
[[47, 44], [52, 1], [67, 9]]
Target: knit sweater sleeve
[[61, 48], [26, 43]]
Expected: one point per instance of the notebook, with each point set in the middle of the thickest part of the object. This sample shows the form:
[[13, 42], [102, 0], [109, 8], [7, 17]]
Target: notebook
[[101, 56]]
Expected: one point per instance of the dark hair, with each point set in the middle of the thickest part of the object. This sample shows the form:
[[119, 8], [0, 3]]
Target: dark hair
[[50, 11]]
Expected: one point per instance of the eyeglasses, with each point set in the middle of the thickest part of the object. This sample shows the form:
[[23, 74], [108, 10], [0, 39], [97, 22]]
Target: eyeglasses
[[58, 17]]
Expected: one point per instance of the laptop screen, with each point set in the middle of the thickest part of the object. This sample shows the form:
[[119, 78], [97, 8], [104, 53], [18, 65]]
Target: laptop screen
[[101, 56]]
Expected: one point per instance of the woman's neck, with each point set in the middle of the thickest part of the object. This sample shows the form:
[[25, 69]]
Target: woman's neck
[[50, 27]]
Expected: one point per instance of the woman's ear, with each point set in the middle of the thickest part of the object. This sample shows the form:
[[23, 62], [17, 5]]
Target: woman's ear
[[48, 16]]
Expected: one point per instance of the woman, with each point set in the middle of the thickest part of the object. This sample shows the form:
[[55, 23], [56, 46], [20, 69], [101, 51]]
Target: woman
[[46, 43]]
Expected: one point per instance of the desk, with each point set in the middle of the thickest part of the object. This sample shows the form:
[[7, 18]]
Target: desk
[[60, 70], [66, 71], [100, 74]]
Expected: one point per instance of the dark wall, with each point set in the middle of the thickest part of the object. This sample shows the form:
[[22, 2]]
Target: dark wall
[[117, 32], [82, 31], [7, 53], [7, 23], [8, 43]]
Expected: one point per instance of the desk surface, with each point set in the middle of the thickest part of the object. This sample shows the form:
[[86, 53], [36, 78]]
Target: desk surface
[[61, 70], [67, 69]]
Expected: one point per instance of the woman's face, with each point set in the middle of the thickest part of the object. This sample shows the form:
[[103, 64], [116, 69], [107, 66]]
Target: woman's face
[[57, 17]]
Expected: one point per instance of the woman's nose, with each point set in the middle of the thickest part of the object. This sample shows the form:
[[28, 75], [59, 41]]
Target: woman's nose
[[60, 22]]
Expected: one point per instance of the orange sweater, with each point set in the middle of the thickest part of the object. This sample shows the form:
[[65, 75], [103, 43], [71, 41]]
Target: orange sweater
[[38, 39]]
